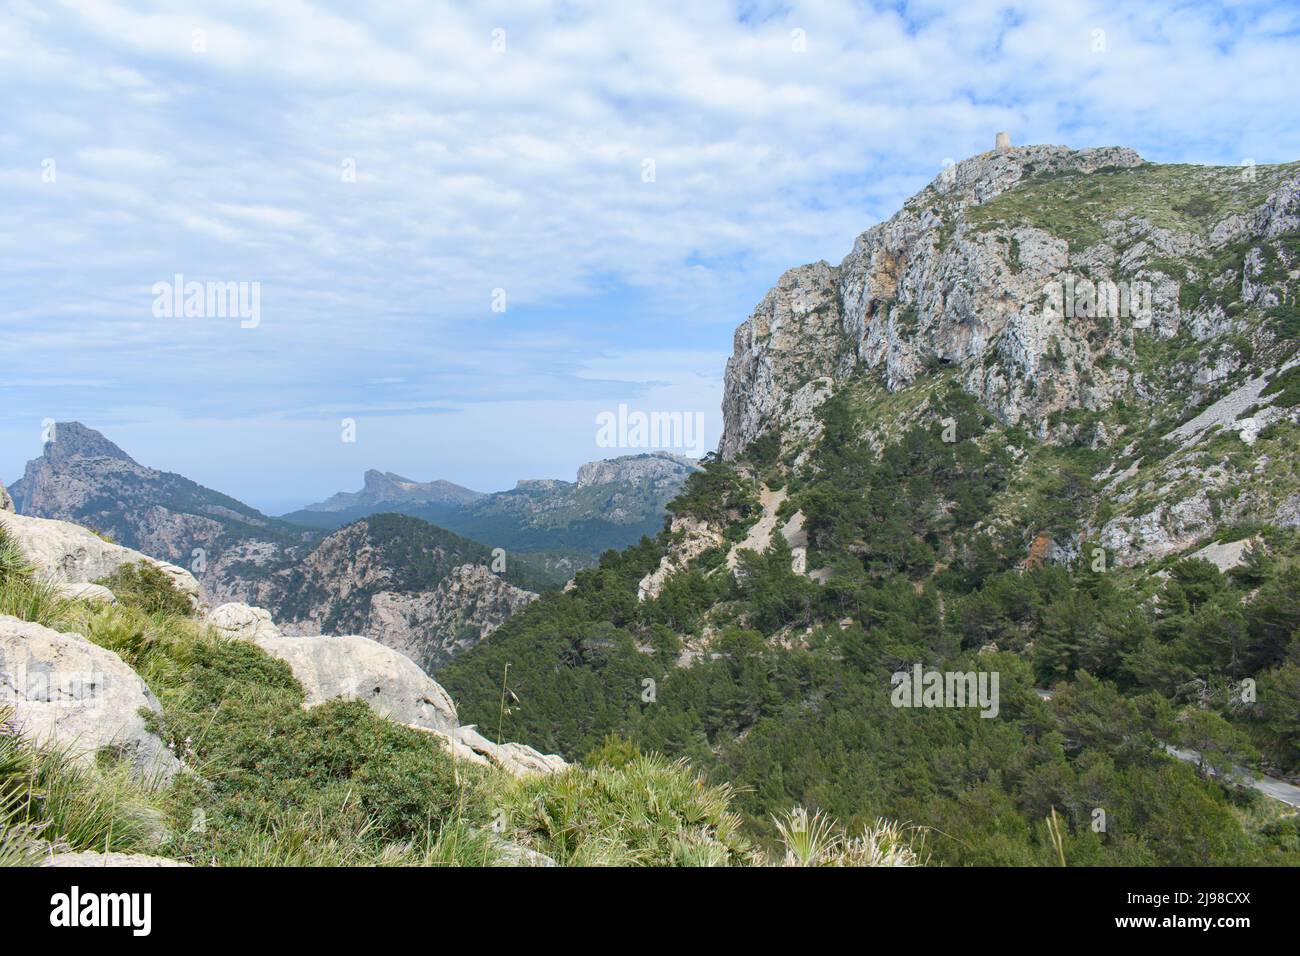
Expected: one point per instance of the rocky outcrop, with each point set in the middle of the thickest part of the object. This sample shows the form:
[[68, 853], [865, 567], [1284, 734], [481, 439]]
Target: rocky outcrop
[[957, 279], [1225, 555], [517, 759], [431, 627], [796, 536], [68, 692], [691, 537], [95, 593], [759, 537], [356, 668], [65, 690], [6, 502], [628, 492], [243, 622], [351, 667], [65, 553], [654, 467]]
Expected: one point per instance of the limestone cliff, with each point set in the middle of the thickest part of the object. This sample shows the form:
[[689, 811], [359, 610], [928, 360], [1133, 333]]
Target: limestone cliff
[[977, 272]]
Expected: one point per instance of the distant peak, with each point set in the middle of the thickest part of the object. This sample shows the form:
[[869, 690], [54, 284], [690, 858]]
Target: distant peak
[[70, 440], [648, 465], [375, 477]]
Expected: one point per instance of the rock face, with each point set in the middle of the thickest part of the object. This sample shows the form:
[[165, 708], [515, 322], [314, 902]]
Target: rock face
[[356, 668], [69, 692], [692, 537], [978, 272], [65, 553], [414, 587], [431, 627], [6, 502]]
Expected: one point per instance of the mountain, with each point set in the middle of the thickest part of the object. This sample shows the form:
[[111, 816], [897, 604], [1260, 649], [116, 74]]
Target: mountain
[[610, 505], [83, 477], [364, 567], [385, 491], [414, 587], [1038, 429]]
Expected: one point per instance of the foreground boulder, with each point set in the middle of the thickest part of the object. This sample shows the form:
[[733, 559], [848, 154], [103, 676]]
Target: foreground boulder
[[65, 691], [66, 553], [357, 668]]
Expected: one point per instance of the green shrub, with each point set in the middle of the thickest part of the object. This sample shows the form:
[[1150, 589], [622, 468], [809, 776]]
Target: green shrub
[[147, 587], [648, 812], [335, 780]]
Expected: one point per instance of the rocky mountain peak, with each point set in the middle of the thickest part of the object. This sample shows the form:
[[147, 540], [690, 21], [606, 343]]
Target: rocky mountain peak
[[654, 466], [969, 279], [980, 178], [388, 488], [70, 440]]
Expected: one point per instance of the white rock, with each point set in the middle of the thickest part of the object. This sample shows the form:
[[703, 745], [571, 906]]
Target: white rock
[[1225, 556], [243, 621], [516, 759], [86, 592], [66, 691], [66, 553], [759, 537], [696, 537], [6, 503], [356, 668]]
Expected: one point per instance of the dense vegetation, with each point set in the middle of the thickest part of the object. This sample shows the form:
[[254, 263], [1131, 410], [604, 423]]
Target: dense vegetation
[[787, 696], [276, 784]]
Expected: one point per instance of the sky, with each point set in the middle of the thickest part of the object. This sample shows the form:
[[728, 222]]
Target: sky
[[463, 231]]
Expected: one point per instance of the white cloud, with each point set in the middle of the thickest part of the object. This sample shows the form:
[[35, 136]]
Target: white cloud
[[523, 170]]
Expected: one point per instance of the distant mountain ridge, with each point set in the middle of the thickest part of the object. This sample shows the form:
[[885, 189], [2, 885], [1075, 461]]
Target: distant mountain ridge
[[383, 488], [428, 568], [610, 505]]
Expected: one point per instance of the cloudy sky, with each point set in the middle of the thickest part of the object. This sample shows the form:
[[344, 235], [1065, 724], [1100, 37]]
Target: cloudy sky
[[473, 227]]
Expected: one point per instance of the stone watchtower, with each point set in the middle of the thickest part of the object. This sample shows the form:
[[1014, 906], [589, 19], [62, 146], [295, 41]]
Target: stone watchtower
[[1002, 141]]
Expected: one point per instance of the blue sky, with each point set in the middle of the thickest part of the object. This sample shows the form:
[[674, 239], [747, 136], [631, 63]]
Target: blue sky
[[504, 146]]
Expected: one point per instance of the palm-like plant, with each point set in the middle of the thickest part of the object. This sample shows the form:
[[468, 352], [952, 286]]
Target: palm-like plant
[[817, 840]]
